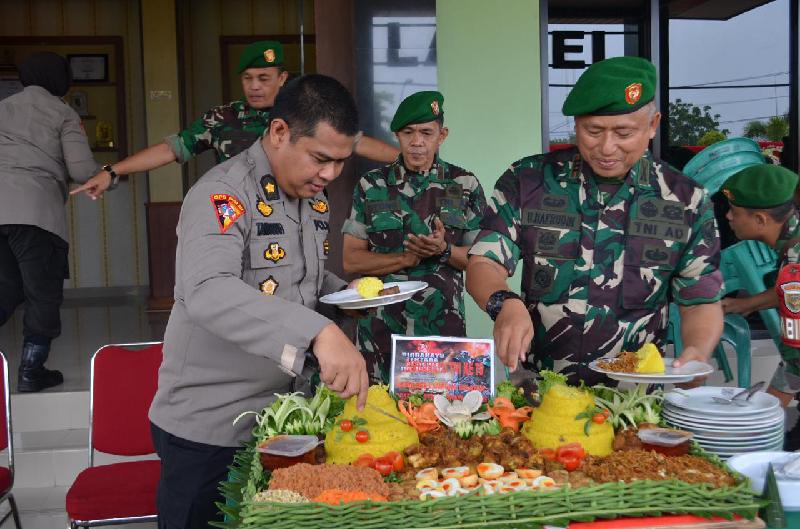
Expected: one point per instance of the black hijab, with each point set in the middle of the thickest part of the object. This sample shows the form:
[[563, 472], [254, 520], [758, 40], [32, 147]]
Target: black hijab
[[48, 70]]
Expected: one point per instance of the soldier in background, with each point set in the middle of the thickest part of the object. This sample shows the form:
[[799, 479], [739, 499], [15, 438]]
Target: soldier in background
[[227, 129], [413, 220], [608, 237], [762, 209]]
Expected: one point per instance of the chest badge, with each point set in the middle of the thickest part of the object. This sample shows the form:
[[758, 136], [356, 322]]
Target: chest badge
[[228, 209], [264, 208], [320, 206], [270, 187], [268, 286], [274, 252]]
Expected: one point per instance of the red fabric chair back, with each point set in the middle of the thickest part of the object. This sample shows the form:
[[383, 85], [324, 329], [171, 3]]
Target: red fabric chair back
[[3, 401], [124, 381]]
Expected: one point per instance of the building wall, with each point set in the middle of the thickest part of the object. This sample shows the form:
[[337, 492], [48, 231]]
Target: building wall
[[488, 71], [107, 237]]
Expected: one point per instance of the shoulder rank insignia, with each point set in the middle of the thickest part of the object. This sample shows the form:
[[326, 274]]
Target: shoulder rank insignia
[[274, 252], [263, 208], [268, 286], [320, 206], [228, 209], [270, 187]]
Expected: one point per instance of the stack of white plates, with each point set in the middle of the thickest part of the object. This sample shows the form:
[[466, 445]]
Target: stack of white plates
[[726, 429]]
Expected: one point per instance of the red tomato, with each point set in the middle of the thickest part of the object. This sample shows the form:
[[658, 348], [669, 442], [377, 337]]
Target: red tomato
[[571, 450], [570, 463], [548, 454], [397, 460], [606, 413], [384, 467], [362, 436], [599, 418], [365, 460], [346, 425]]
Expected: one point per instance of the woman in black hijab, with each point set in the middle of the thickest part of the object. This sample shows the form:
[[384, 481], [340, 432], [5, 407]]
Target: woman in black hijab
[[42, 149], [48, 70]]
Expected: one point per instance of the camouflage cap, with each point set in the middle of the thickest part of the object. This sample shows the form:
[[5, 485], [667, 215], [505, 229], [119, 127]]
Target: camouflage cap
[[761, 187], [619, 85], [420, 107], [261, 54]]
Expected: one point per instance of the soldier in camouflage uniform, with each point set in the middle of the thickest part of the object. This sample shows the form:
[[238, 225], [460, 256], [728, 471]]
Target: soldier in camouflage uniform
[[413, 220], [762, 209], [608, 237], [227, 129]]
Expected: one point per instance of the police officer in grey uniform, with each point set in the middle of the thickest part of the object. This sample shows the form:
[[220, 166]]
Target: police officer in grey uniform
[[250, 266]]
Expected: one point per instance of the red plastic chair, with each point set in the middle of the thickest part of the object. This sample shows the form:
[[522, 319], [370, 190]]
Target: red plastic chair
[[123, 381], [7, 443]]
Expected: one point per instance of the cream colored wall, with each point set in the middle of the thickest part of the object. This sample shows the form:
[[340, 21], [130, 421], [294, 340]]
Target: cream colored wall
[[108, 245], [203, 23]]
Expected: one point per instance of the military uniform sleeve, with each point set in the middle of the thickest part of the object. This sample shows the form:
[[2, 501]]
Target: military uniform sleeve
[[499, 236], [474, 213], [209, 270], [78, 156], [698, 279], [193, 140], [356, 224]]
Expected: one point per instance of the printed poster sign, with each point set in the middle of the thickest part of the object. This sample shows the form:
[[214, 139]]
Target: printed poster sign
[[433, 365]]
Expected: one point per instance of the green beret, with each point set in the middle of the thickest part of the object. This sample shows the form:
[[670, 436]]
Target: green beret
[[761, 187], [421, 107], [261, 54], [619, 85]]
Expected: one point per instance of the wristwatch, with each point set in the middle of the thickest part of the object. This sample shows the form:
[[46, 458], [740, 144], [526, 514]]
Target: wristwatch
[[445, 255], [496, 300], [114, 177]]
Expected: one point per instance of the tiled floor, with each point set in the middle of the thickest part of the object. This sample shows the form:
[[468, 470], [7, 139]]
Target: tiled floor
[[86, 324]]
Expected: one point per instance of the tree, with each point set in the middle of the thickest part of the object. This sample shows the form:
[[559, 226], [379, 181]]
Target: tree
[[688, 123], [774, 129], [711, 137]]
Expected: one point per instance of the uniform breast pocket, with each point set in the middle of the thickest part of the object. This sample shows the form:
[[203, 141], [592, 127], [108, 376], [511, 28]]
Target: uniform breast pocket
[[271, 252], [385, 230], [549, 263], [323, 245], [455, 222], [648, 269]]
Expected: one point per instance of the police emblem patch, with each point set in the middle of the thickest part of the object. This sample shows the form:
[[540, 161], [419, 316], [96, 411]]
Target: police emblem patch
[[274, 252], [268, 286], [264, 208], [633, 93], [270, 187], [791, 296], [320, 206], [227, 208], [435, 108], [269, 55]]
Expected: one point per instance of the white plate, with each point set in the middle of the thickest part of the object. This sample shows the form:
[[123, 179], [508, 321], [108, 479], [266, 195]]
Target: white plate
[[670, 375], [739, 442], [754, 466], [691, 415], [716, 431], [351, 299], [754, 424], [699, 400]]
